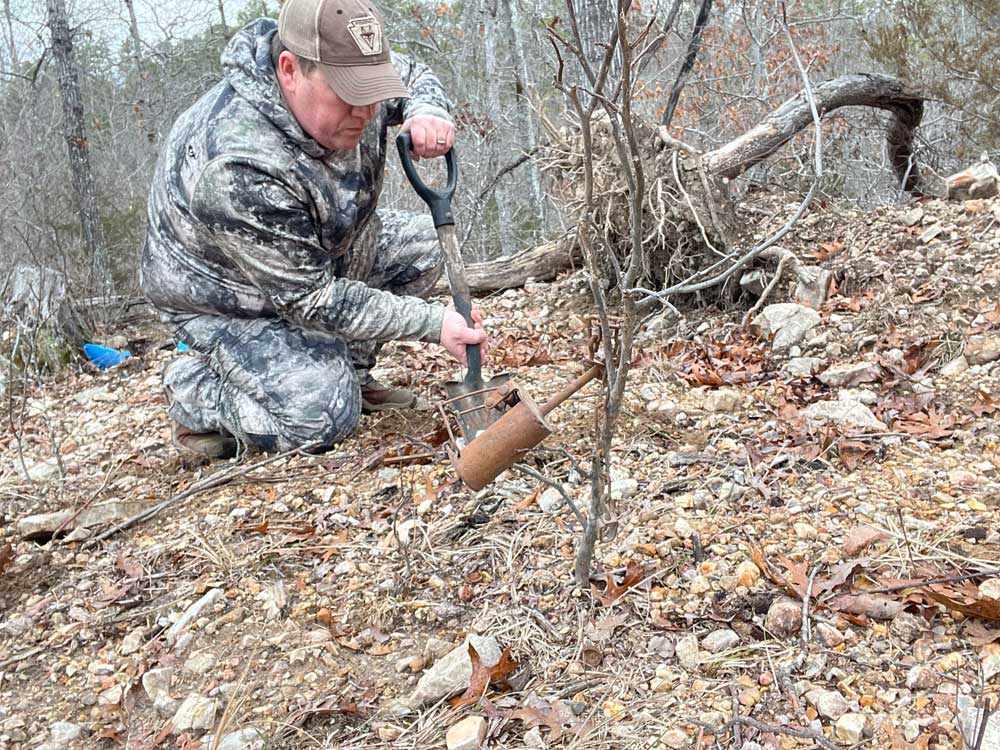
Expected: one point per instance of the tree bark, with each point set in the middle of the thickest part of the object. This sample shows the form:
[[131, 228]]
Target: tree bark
[[883, 92], [9, 30], [77, 146], [541, 263]]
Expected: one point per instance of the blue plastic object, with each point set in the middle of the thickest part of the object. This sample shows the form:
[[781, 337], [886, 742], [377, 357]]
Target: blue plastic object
[[104, 357], [182, 347]]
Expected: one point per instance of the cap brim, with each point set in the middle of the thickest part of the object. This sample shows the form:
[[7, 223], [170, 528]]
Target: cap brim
[[365, 84]]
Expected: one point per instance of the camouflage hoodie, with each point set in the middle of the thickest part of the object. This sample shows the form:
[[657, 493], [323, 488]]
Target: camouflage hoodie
[[250, 217]]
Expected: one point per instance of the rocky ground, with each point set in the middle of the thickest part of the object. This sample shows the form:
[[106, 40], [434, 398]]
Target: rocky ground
[[840, 463]]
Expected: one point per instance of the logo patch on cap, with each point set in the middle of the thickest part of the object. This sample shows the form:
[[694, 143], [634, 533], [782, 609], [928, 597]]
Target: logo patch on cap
[[367, 34]]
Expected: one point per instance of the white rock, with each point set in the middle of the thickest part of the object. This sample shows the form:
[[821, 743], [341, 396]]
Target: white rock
[[196, 712], [551, 500], [861, 395], [843, 376], [956, 367], [829, 635], [624, 488], [922, 677], [722, 400], [687, 652], [982, 349], [829, 704], [468, 734], [452, 673], [133, 641], [209, 599], [851, 727], [787, 322], [64, 732], [676, 739], [248, 738], [803, 367], [843, 413], [156, 683], [200, 662], [720, 640]]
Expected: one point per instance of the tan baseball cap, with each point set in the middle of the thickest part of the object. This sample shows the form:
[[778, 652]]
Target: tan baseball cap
[[347, 39]]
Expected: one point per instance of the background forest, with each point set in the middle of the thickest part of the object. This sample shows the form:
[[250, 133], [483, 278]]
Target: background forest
[[106, 89]]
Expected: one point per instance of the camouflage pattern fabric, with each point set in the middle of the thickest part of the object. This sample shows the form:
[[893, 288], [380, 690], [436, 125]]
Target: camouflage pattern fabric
[[266, 253]]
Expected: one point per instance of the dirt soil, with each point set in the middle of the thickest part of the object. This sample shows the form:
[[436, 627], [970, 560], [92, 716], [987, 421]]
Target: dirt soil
[[329, 584]]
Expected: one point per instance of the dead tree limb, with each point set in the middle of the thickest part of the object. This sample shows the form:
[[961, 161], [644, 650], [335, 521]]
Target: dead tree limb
[[864, 90]]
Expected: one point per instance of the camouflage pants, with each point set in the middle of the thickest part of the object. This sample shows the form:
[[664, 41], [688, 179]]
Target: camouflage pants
[[276, 386]]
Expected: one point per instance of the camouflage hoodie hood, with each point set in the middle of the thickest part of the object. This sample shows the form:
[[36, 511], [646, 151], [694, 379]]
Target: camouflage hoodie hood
[[250, 217], [247, 67]]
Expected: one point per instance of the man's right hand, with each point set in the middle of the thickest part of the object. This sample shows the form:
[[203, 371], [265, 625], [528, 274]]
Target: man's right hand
[[456, 334]]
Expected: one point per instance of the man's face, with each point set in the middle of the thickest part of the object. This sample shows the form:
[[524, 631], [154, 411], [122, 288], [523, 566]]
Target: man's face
[[328, 119]]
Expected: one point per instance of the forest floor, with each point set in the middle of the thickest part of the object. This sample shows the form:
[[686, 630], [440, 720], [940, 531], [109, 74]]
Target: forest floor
[[299, 601]]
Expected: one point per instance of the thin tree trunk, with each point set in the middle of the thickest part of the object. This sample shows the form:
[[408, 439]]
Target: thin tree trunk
[[77, 147], [147, 122], [9, 29], [505, 215], [528, 125], [222, 15]]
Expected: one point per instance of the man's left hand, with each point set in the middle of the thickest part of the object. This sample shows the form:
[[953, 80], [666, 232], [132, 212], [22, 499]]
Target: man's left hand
[[431, 136]]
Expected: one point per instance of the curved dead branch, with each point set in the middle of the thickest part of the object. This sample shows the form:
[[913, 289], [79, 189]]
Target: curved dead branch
[[863, 90]]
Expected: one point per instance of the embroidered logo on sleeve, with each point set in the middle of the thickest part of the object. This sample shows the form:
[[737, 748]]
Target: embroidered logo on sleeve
[[367, 35]]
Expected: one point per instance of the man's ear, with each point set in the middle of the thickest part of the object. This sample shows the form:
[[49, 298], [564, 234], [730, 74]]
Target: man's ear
[[288, 66]]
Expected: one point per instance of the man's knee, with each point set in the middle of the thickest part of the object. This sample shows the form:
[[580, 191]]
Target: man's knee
[[321, 415]]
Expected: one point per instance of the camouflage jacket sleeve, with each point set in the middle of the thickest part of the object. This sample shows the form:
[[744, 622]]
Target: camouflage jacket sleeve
[[426, 92], [265, 226]]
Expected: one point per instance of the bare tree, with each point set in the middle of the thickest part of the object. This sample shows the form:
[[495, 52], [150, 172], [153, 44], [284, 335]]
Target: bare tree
[[75, 133]]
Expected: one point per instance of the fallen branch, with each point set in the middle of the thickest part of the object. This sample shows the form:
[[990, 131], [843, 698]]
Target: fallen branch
[[218, 479]]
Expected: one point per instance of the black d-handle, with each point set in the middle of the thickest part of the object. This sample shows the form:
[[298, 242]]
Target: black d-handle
[[438, 202]]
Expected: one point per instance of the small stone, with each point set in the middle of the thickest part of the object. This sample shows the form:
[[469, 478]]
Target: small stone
[[803, 367], [676, 739], [931, 233], [843, 413], [845, 376], [624, 488], [533, 739], [452, 672], [248, 738], [805, 531], [787, 322], [956, 367], [687, 652], [747, 574], [110, 697], [784, 617], [911, 217], [911, 730], [922, 677], [156, 683], [829, 704], [550, 501], [195, 713], [133, 642], [851, 727], [861, 395], [722, 400], [720, 640], [200, 662], [64, 732], [829, 635], [906, 627], [468, 734], [661, 646], [982, 349], [990, 661]]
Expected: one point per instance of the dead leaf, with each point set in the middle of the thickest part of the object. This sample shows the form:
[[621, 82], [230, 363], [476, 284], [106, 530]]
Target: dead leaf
[[6, 557], [979, 635], [983, 607], [871, 605], [535, 717], [614, 591], [130, 567], [482, 676], [604, 627], [860, 538]]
